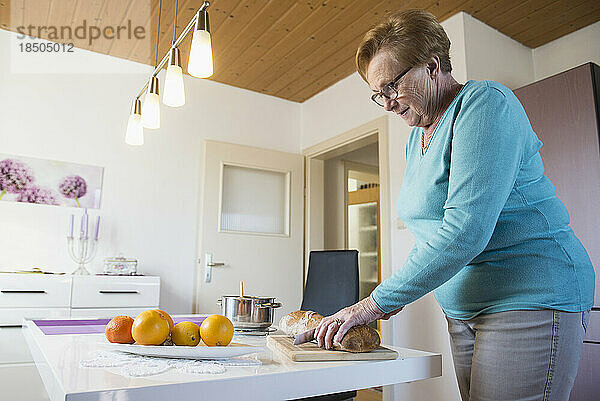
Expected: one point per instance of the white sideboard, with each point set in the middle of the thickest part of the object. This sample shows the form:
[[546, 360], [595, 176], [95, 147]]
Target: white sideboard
[[47, 296]]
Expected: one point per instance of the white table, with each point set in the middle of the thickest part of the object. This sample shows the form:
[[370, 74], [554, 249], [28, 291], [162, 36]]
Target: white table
[[58, 357]]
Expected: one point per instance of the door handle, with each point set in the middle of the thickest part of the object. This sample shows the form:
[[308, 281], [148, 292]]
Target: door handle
[[23, 291], [208, 265], [118, 292]]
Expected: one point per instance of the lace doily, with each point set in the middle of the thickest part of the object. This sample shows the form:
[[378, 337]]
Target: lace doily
[[138, 365]]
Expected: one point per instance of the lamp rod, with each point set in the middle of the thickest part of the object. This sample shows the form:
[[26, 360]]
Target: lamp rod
[[175, 22], [176, 43]]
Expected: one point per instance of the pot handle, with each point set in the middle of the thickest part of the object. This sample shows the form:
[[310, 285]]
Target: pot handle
[[269, 305]]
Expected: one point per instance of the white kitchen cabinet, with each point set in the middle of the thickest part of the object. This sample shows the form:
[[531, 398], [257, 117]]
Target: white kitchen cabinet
[[44, 296], [26, 296], [105, 291], [33, 290]]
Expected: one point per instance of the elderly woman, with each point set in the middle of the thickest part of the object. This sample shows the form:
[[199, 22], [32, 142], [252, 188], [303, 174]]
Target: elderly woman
[[492, 238]]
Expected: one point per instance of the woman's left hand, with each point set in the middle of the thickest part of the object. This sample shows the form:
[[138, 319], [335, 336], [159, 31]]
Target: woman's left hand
[[333, 328]]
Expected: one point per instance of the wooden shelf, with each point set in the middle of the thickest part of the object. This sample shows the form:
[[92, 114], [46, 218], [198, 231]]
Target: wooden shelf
[[363, 196]]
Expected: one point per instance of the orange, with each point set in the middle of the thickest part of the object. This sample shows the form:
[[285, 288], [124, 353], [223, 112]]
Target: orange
[[216, 330], [168, 318], [118, 330], [150, 328], [186, 333]]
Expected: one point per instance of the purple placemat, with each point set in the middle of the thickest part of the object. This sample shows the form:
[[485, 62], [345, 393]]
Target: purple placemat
[[90, 326]]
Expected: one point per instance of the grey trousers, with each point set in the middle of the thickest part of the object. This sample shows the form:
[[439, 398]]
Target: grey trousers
[[517, 355]]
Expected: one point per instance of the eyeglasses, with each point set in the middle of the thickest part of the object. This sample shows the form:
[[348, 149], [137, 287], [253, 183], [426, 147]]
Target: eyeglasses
[[389, 91]]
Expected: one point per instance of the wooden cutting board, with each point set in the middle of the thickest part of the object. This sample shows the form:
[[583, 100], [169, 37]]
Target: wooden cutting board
[[310, 352]]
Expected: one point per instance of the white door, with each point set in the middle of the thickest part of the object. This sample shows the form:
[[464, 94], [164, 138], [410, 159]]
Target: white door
[[251, 221]]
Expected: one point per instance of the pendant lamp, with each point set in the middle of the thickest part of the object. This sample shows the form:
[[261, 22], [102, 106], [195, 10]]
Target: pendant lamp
[[135, 131], [200, 64], [174, 93]]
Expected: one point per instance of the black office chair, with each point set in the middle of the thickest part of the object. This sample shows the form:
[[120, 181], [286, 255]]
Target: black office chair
[[332, 281], [331, 284]]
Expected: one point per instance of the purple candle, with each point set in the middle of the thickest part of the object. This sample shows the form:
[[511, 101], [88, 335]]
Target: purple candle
[[84, 223], [97, 228], [71, 226]]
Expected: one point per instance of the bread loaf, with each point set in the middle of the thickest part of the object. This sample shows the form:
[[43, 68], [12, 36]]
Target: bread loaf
[[360, 338], [298, 322]]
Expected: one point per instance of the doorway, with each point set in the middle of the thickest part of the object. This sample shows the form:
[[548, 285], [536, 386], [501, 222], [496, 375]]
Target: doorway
[[347, 206], [363, 229], [351, 211]]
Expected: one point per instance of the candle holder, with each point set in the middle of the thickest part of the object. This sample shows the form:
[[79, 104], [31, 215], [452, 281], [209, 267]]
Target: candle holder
[[85, 250], [82, 253]]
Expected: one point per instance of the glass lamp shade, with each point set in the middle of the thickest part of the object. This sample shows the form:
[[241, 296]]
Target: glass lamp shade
[[151, 111], [135, 131], [200, 64], [174, 93]]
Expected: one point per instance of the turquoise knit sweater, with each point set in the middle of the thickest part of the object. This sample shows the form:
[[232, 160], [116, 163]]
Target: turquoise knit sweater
[[490, 233]]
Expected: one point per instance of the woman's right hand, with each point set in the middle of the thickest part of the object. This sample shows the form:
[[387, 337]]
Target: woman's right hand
[[333, 328]]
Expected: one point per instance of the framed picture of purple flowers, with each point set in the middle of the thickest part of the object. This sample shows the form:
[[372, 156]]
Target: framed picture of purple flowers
[[49, 182]]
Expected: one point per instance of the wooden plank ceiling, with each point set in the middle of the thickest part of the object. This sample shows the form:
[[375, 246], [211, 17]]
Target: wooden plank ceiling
[[291, 49]]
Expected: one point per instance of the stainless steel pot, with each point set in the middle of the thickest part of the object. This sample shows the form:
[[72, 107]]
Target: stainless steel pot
[[248, 312]]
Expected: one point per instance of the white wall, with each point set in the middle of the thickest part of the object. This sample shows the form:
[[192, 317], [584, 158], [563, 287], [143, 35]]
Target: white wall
[[570, 51], [455, 29], [493, 55], [150, 194]]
